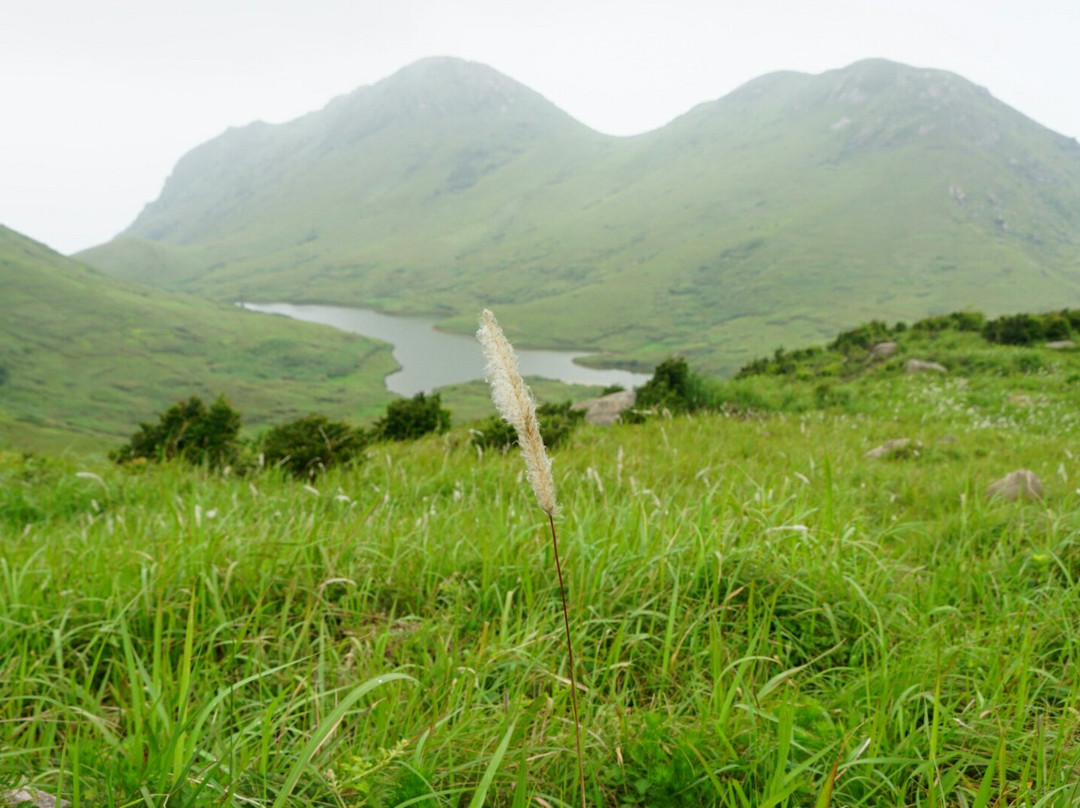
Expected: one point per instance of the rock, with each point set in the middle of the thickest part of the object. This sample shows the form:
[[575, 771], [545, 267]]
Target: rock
[[1058, 344], [922, 366], [1021, 484], [1020, 400], [31, 797], [888, 447], [883, 350], [605, 410]]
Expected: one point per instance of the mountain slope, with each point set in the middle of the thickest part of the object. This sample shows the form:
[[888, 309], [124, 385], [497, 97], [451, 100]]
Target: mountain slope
[[84, 357], [789, 209]]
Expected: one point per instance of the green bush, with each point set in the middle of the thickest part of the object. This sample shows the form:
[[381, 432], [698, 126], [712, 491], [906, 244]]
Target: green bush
[[557, 421], [956, 321], [1028, 329], [862, 337], [673, 387], [411, 418], [188, 430], [309, 446]]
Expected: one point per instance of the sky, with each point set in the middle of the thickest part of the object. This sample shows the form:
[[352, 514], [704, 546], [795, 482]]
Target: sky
[[100, 98]]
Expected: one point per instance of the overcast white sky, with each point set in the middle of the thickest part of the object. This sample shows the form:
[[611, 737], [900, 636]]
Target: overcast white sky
[[100, 98]]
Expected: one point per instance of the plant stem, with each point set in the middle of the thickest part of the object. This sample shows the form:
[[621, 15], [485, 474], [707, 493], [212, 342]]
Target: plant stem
[[570, 655]]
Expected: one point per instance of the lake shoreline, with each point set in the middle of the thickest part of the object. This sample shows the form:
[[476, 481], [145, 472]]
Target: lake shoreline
[[431, 357]]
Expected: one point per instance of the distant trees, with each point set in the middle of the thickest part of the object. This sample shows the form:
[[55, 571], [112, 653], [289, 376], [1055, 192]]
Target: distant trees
[[309, 446], [190, 431], [411, 418], [1028, 329], [673, 387], [557, 421], [209, 436]]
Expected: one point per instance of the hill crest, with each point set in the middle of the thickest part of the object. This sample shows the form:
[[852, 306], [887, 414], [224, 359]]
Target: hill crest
[[791, 208]]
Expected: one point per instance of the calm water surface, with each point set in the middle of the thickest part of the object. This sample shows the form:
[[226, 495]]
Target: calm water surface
[[431, 358]]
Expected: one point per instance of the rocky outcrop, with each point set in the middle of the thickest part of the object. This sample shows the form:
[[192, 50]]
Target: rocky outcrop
[[31, 798], [1020, 484], [922, 366], [883, 350], [889, 447], [605, 410]]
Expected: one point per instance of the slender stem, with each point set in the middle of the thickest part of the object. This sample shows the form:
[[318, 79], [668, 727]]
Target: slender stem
[[570, 654]]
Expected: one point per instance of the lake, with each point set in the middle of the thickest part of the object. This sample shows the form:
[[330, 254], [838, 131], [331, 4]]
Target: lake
[[431, 358]]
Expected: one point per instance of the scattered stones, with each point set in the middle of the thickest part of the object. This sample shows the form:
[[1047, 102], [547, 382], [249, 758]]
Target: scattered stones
[[889, 447], [605, 410], [31, 798], [1021, 484], [1020, 400], [1059, 344], [883, 350], [922, 366]]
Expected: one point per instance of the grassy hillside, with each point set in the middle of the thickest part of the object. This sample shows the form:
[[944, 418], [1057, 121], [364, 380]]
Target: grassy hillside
[[84, 357], [762, 614], [792, 208]]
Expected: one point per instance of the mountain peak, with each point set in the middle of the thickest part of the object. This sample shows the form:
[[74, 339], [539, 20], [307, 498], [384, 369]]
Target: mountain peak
[[450, 88]]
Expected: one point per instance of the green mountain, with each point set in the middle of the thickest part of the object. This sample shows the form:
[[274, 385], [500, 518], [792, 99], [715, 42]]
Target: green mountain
[[85, 357], [794, 207]]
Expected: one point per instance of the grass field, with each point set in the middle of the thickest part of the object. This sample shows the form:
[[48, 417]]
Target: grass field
[[761, 615]]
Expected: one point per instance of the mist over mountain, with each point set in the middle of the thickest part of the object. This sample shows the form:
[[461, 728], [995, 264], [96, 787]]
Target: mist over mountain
[[793, 207]]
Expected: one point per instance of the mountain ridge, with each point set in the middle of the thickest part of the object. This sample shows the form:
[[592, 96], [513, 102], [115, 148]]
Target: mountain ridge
[[780, 213]]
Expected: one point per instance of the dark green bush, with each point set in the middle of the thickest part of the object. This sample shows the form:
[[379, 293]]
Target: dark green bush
[[1014, 329], [862, 337], [188, 430], [673, 387], [783, 363], [1028, 329], [309, 446], [557, 421], [956, 321], [411, 418]]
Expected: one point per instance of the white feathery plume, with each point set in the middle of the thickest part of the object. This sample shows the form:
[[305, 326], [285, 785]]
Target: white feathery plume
[[515, 404]]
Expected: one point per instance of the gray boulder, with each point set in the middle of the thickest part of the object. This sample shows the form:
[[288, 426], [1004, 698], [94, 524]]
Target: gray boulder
[[922, 366], [31, 798], [1021, 484], [883, 350], [605, 410], [1059, 344], [887, 448]]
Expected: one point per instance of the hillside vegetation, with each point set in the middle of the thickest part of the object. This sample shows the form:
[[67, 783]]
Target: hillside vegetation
[[85, 357], [764, 614], [794, 207]]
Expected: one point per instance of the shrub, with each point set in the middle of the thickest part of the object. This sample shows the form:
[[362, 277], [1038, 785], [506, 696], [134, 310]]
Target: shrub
[[860, 338], [411, 418], [956, 321], [188, 430], [1015, 329], [309, 446], [557, 421], [673, 387]]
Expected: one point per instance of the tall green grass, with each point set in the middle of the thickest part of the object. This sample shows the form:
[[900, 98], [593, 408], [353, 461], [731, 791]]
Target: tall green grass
[[765, 618]]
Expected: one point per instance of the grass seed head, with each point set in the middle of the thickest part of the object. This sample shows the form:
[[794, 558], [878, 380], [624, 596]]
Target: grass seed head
[[515, 404]]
